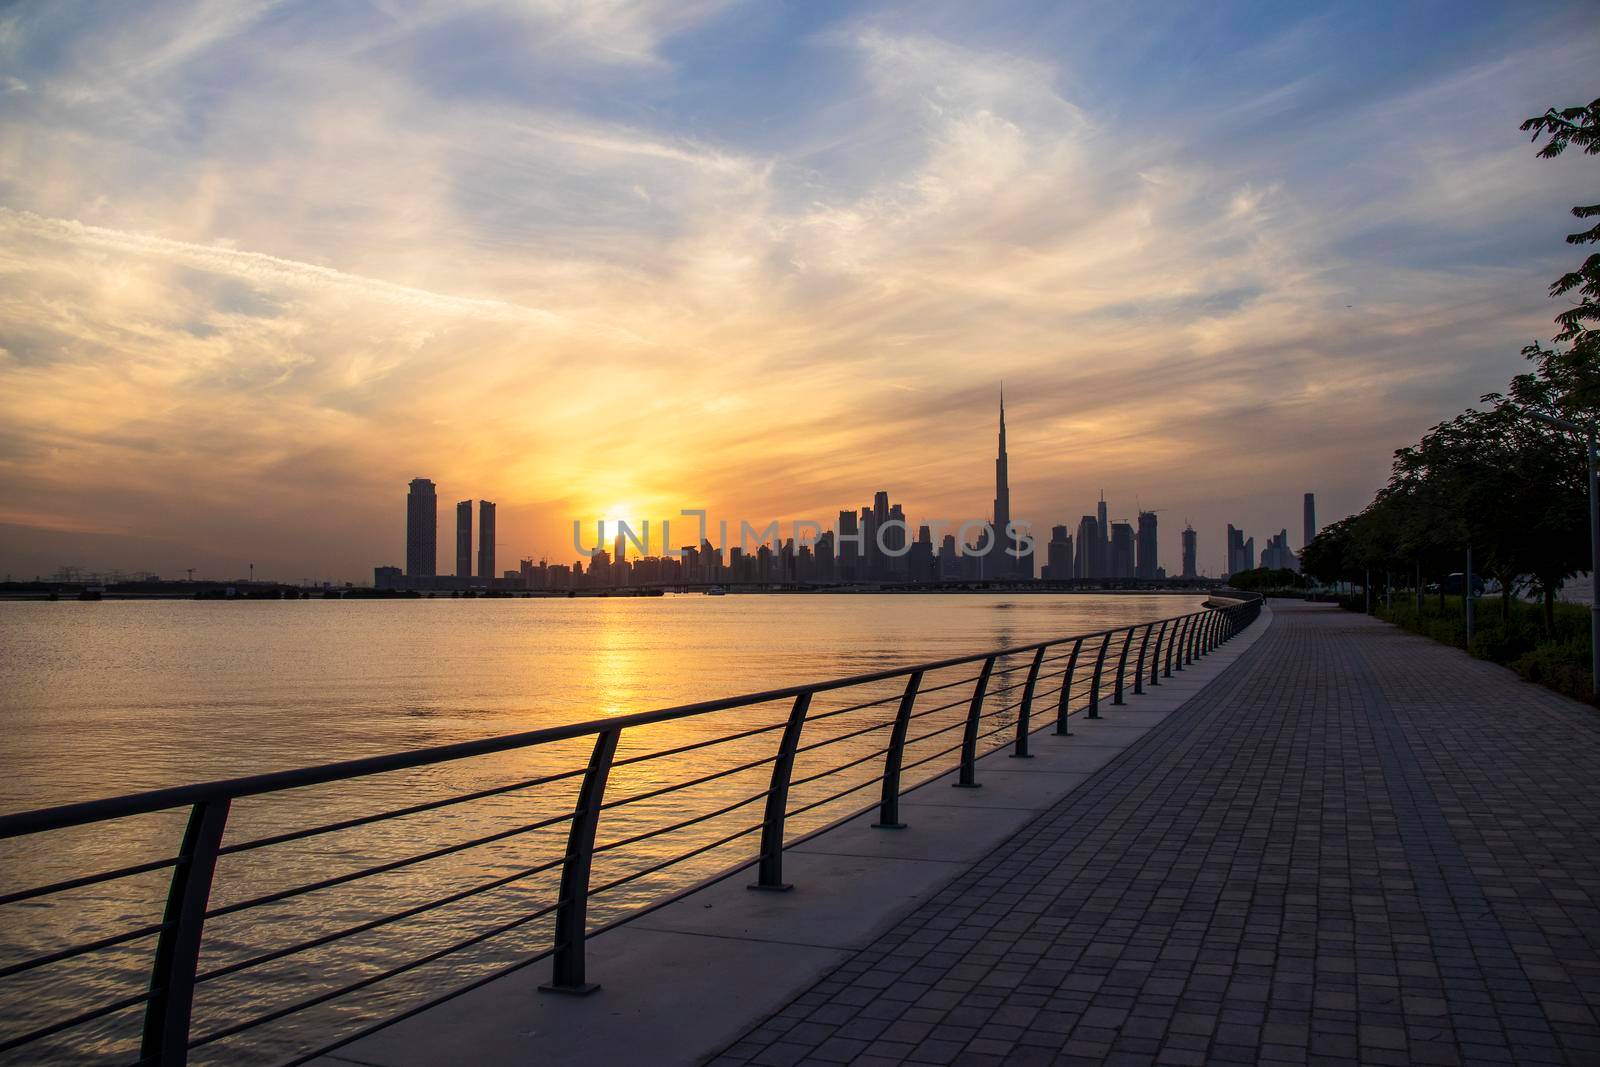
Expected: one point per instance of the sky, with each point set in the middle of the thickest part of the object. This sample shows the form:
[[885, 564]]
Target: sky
[[261, 263]]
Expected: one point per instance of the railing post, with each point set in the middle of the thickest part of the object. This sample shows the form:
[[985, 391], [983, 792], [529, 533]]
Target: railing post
[[1122, 666], [1155, 660], [1094, 686], [889, 805], [1183, 640], [1194, 636], [1138, 671], [968, 778], [572, 908], [1025, 712], [1063, 708], [166, 1018], [770, 874]]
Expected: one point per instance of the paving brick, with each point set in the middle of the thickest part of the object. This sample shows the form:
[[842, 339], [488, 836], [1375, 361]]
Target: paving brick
[[1353, 845]]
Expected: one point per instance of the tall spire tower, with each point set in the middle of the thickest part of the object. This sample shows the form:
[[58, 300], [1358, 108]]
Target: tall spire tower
[[1001, 565]]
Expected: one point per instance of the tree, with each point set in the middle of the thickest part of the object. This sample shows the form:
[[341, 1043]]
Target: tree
[[1579, 126]]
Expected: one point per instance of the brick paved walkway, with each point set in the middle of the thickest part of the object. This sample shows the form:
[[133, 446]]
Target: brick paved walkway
[[1355, 845]]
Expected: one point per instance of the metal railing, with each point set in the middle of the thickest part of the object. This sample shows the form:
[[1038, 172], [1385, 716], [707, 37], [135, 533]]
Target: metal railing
[[1119, 661]]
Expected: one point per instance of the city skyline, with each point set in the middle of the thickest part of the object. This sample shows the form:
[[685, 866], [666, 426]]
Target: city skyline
[[879, 544], [621, 263]]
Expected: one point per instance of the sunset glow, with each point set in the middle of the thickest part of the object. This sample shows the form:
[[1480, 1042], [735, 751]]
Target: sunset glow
[[261, 264]]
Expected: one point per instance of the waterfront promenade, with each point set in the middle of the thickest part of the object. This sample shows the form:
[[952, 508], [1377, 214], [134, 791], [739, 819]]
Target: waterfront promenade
[[1353, 845], [1328, 841]]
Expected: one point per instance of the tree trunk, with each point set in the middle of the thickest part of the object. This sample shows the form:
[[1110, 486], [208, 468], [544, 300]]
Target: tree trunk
[[1549, 609]]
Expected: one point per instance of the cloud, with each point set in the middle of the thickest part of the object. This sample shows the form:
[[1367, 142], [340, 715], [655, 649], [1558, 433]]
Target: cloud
[[258, 270]]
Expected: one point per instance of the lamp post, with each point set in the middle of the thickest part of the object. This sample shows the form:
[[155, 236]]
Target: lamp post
[[1588, 430]]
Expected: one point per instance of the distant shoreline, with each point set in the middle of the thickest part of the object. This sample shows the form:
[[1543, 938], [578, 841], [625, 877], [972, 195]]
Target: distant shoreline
[[267, 591]]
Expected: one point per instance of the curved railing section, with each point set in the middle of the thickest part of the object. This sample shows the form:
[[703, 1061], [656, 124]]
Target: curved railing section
[[899, 726]]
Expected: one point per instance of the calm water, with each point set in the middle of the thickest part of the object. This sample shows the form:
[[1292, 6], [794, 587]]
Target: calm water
[[100, 699]]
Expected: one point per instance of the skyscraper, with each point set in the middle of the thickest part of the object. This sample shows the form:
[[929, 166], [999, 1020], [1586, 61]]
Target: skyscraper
[[1235, 550], [422, 530], [896, 539], [1311, 519], [879, 565], [1103, 545], [464, 539], [1189, 552], [486, 540], [1121, 551], [1146, 565], [1087, 564], [849, 548], [1277, 555], [1002, 564], [1058, 554]]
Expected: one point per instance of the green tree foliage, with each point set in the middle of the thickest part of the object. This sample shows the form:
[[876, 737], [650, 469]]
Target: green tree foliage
[[1578, 127], [1263, 579], [1509, 487]]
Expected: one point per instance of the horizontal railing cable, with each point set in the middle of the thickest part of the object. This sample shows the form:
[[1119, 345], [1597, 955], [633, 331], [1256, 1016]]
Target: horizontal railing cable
[[384, 868], [88, 880], [662, 831], [364, 820], [1090, 672], [77, 1020], [370, 980], [374, 924]]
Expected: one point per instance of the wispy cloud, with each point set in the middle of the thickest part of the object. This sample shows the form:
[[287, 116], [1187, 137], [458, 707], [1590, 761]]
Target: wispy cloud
[[315, 253]]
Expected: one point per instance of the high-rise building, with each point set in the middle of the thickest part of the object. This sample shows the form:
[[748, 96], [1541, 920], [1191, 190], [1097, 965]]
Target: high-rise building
[[1121, 551], [1241, 551], [1001, 564], [1103, 545], [1311, 519], [871, 555], [1277, 555], [1146, 564], [849, 548], [879, 565], [1087, 563], [1189, 553], [422, 530], [486, 540], [896, 539], [464, 539], [1058, 555]]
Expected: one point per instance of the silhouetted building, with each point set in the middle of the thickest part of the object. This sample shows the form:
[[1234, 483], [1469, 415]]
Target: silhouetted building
[[849, 547], [1241, 551], [1146, 566], [895, 539], [1087, 563], [1121, 550], [1102, 563], [387, 578], [949, 559], [486, 540], [1058, 555], [1277, 554], [919, 560], [1310, 519], [422, 528], [1189, 552], [1001, 564], [464, 539]]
